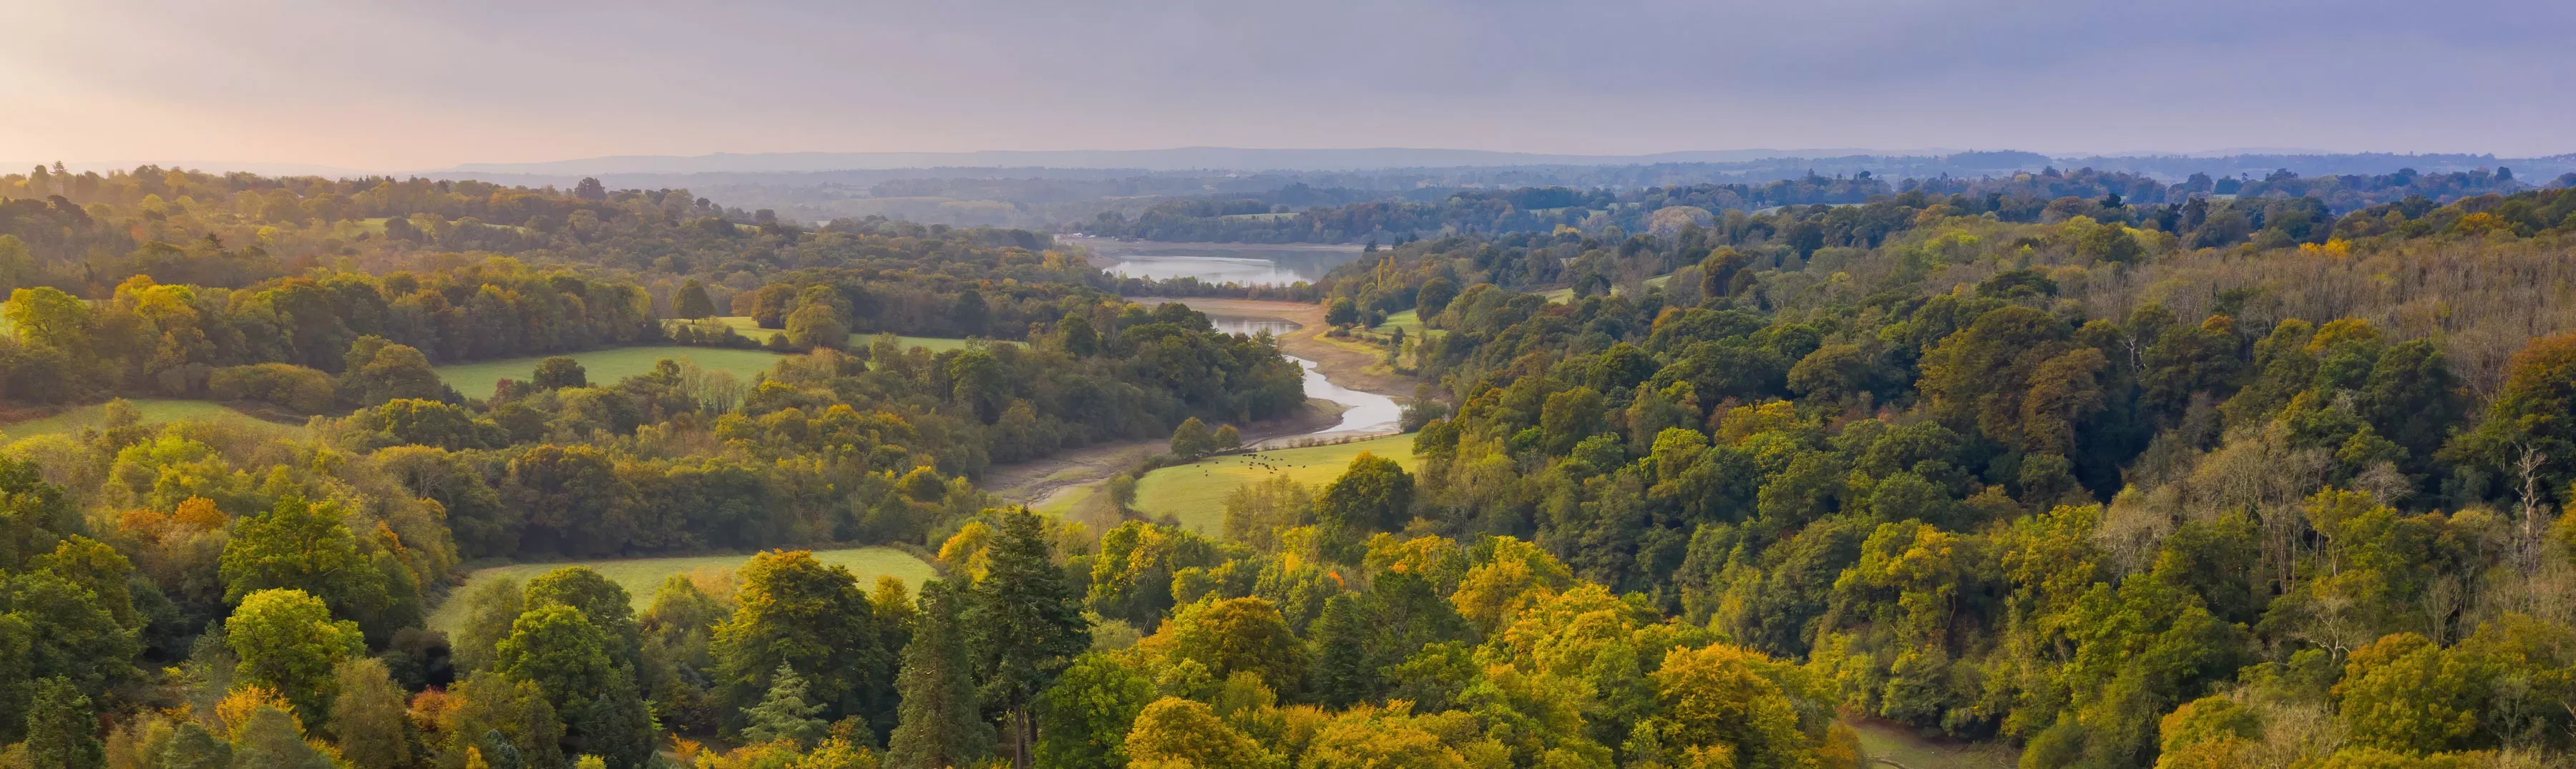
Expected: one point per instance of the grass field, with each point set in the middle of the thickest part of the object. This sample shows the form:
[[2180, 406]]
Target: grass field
[[605, 367], [642, 576], [1901, 747], [1411, 322], [1195, 493], [1559, 296], [152, 409], [749, 328]]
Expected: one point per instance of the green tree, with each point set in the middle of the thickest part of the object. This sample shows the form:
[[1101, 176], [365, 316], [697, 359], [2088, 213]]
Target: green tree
[[270, 737], [48, 317], [692, 301], [783, 714], [1434, 296], [796, 612], [1341, 311], [307, 548], [192, 746], [368, 719], [390, 371], [1026, 623], [1239, 634], [575, 665], [1373, 494], [491, 606], [605, 604], [62, 728], [1080, 339], [817, 325], [1083, 719], [559, 372], [1192, 440], [288, 642], [941, 725]]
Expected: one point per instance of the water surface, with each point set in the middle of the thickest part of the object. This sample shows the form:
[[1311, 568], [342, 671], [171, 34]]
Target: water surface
[[1245, 263]]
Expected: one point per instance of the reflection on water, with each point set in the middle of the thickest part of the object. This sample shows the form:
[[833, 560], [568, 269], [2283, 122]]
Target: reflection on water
[[1250, 326], [1248, 264], [1369, 414]]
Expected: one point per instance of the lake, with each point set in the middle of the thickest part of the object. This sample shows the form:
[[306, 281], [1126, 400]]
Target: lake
[[1245, 263]]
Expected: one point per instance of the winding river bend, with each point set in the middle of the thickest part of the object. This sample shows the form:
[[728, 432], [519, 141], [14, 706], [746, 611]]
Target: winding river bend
[[1365, 414]]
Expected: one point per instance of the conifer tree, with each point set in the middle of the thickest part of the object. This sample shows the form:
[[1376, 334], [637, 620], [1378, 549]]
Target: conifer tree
[[1029, 626], [784, 714], [939, 725]]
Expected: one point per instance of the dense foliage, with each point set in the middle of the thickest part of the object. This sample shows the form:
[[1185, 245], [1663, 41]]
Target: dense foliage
[[2259, 482], [2128, 495]]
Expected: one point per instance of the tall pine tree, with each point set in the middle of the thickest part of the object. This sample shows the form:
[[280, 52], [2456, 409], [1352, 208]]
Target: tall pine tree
[[1028, 625], [940, 724]]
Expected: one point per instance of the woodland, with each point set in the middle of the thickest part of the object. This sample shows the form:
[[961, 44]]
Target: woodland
[[2116, 473]]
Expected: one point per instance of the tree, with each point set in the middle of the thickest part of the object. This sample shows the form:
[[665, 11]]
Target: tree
[[368, 719], [1717, 272], [1176, 733], [575, 666], [62, 728], [940, 724], [1341, 311], [491, 605], [1718, 700], [1239, 634], [603, 603], [381, 372], [590, 189], [1192, 440], [559, 372], [783, 714], [692, 301], [796, 612], [288, 642], [1027, 624], [2405, 694], [1373, 494], [817, 325], [306, 548], [270, 737], [1080, 339], [192, 746], [1083, 719], [1434, 296]]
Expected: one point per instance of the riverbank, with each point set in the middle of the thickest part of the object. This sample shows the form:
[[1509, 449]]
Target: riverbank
[[1350, 364]]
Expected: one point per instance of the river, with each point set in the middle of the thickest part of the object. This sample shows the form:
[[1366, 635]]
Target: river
[[1366, 413], [1250, 264]]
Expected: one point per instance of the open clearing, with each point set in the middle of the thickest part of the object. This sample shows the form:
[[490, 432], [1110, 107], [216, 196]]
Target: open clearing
[[642, 576], [153, 410], [1195, 492], [1892, 744], [748, 328], [605, 367]]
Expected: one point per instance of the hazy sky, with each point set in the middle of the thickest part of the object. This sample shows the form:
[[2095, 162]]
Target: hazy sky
[[399, 86]]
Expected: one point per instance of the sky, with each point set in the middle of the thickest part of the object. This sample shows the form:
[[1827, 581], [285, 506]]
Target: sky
[[386, 86]]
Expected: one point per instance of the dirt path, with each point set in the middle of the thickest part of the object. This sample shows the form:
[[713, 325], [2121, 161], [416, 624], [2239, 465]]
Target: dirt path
[[1351, 364]]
